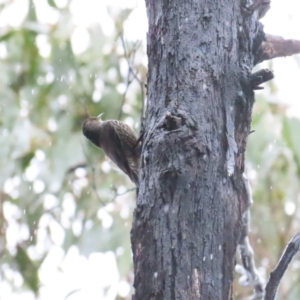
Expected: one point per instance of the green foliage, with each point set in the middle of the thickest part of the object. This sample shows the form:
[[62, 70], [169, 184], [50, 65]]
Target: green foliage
[[59, 191]]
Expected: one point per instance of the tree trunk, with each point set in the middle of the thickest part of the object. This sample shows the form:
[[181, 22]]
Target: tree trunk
[[188, 218]]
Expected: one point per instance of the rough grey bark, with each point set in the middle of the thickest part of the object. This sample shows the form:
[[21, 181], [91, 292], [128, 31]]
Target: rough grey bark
[[191, 197]]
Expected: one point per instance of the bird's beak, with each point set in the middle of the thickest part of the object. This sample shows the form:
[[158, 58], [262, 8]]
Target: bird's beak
[[99, 116]]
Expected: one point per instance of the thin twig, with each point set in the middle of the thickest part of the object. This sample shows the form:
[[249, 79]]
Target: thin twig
[[289, 253], [129, 81], [73, 168], [116, 195], [133, 73], [72, 293]]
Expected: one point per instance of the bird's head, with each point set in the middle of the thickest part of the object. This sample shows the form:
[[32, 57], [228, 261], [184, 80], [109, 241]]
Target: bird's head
[[90, 128]]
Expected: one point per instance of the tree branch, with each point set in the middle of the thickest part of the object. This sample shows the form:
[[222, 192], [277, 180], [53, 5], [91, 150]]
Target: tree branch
[[276, 46], [275, 277], [250, 275], [260, 77], [116, 194]]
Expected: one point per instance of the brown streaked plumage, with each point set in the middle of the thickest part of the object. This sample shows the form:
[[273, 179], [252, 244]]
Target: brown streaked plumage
[[117, 140]]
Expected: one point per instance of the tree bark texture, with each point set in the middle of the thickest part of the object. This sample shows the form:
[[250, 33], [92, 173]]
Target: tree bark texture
[[188, 218]]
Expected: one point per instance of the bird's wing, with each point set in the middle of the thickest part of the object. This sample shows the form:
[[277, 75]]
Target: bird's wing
[[130, 137], [118, 152]]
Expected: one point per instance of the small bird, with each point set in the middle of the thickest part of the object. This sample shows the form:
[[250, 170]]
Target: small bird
[[118, 141]]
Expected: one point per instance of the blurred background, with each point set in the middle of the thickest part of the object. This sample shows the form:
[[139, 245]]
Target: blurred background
[[65, 209]]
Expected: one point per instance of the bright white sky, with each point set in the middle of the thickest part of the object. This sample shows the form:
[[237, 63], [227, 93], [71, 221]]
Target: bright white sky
[[283, 19], [92, 274]]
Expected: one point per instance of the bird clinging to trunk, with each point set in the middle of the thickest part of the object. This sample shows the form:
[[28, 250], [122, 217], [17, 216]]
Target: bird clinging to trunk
[[118, 141]]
